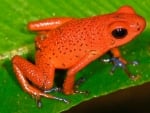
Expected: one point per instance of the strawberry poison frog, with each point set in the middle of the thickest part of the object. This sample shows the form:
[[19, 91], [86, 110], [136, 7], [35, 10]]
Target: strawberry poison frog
[[71, 44]]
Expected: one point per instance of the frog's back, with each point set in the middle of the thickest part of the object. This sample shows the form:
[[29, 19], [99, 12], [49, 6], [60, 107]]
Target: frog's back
[[69, 43], [72, 41]]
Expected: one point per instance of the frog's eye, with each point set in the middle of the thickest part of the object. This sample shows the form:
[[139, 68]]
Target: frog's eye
[[119, 33]]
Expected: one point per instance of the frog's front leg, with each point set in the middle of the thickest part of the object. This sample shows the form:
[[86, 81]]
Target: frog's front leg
[[119, 61], [68, 86], [26, 71], [116, 53]]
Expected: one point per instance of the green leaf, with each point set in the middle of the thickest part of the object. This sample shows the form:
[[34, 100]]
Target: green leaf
[[16, 39]]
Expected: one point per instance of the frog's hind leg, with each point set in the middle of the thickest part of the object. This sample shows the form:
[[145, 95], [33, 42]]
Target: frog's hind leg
[[25, 71], [47, 24]]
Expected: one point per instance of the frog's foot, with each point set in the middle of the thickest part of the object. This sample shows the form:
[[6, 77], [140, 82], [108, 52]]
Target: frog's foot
[[37, 94], [38, 99], [79, 82], [118, 63], [58, 89], [75, 91], [80, 92], [54, 89]]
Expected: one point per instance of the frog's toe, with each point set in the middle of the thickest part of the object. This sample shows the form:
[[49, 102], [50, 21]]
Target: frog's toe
[[55, 89], [135, 77], [81, 92], [134, 63], [62, 99]]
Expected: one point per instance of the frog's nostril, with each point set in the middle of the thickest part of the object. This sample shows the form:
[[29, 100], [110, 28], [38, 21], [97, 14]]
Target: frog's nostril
[[138, 26]]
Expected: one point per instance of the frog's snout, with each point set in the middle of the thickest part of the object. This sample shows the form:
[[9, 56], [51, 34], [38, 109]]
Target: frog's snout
[[139, 24]]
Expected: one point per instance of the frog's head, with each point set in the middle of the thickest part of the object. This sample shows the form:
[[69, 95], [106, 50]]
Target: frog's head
[[125, 26]]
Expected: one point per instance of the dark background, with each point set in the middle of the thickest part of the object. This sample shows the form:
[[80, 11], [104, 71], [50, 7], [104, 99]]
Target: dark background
[[131, 100]]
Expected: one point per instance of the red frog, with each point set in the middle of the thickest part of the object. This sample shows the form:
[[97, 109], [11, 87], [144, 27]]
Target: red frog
[[72, 43]]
